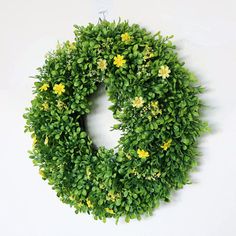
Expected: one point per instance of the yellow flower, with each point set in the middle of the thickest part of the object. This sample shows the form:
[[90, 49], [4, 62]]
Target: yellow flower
[[154, 104], [80, 204], [134, 171], [90, 205], [102, 64], [45, 106], [46, 140], [44, 87], [142, 153], [111, 196], [164, 72], [109, 210], [59, 88], [166, 145], [148, 53], [119, 61], [155, 110], [125, 37], [137, 102]]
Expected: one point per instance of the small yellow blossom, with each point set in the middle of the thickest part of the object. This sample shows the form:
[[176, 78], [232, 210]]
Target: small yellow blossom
[[109, 210], [166, 145], [164, 72], [90, 205], [142, 153], [59, 88], [125, 37], [155, 110], [134, 171], [111, 196], [44, 87], [45, 106], [80, 204], [119, 61], [102, 64], [137, 102], [148, 53], [46, 140], [154, 104]]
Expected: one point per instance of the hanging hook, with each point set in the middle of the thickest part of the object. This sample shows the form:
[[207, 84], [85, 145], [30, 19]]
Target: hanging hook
[[103, 13]]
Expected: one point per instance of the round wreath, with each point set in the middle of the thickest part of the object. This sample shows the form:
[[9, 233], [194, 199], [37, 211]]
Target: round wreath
[[155, 99]]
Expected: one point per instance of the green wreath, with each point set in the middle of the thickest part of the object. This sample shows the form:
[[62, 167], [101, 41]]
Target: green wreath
[[155, 99]]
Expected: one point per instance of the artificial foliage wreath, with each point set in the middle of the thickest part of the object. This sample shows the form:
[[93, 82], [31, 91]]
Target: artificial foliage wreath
[[156, 101]]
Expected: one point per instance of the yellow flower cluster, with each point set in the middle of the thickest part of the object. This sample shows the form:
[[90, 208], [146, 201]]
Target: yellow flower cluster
[[155, 110], [166, 145], [154, 176], [57, 88], [45, 106], [44, 87], [89, 204], [111, 196], [148, 53]]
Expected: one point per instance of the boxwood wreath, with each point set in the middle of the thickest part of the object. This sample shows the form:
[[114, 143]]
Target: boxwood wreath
[[156, 101]]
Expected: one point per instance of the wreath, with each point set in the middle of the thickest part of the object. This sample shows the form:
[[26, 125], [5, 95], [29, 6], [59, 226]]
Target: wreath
[[155, 100]]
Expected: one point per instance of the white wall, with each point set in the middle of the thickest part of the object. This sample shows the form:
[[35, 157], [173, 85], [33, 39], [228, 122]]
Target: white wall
[[205, 33]]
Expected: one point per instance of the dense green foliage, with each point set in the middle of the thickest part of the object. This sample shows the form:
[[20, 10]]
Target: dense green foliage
[[155, 99]]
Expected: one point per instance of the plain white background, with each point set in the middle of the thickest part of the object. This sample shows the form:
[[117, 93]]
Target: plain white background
[[205, 33]]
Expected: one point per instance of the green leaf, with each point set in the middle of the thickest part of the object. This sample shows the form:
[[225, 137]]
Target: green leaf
[[83, 134], [80, 60]]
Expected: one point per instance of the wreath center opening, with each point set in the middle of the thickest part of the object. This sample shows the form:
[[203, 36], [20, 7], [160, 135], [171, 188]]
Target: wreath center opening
[[99, 121]]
